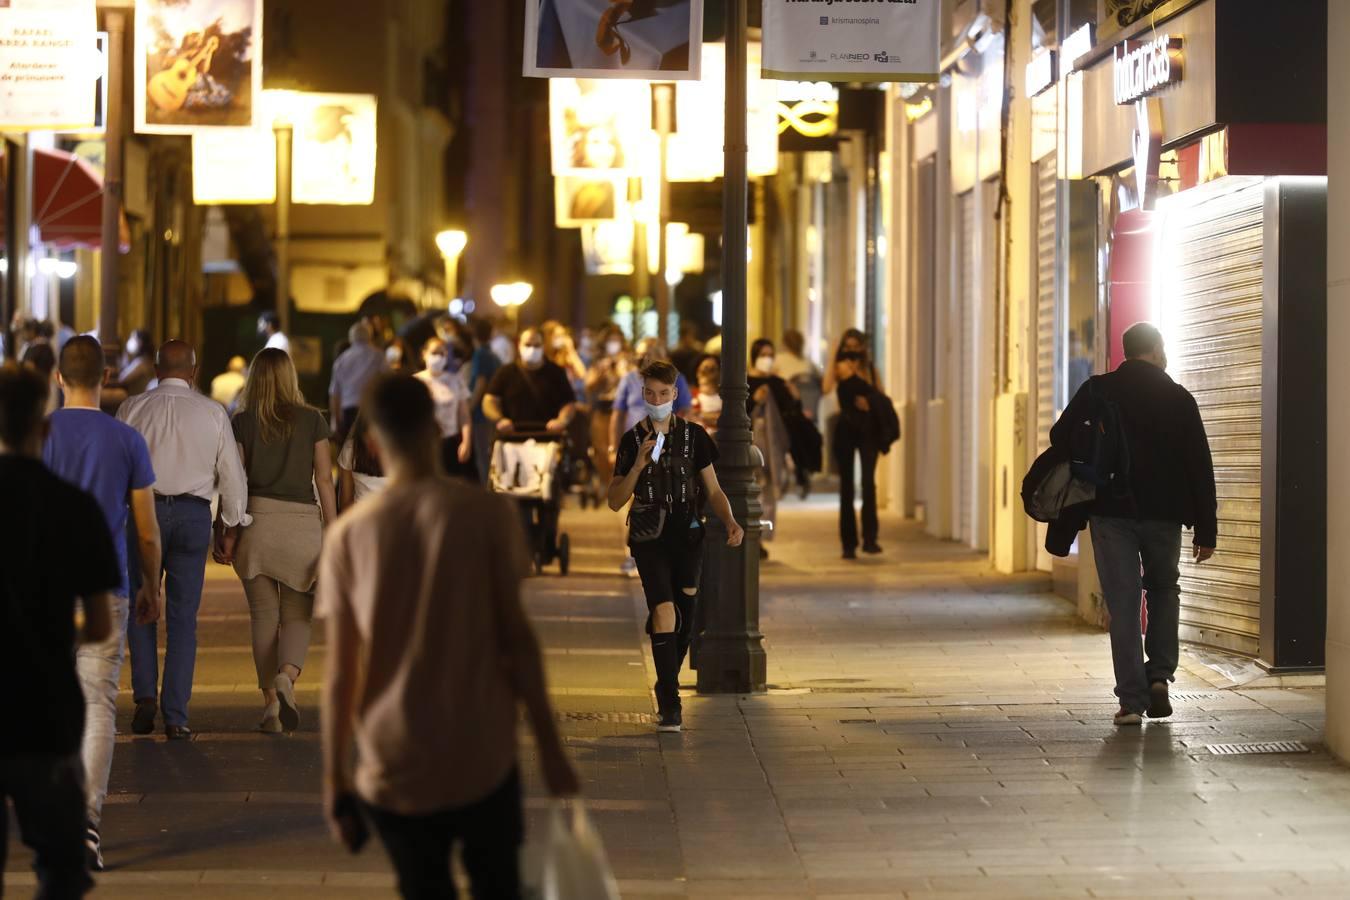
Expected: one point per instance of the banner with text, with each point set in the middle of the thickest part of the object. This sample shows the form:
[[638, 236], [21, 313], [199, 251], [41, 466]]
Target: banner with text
[[851, 40], [48, 64]]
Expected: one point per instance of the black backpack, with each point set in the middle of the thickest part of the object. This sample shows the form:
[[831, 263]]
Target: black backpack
[[1099, 453]]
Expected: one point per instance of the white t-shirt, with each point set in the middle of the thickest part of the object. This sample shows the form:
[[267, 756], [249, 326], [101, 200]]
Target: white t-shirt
[[365, 484], [451, 396], [279, 341]]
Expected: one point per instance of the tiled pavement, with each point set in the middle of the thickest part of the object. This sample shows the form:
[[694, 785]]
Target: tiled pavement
[[932, 731]]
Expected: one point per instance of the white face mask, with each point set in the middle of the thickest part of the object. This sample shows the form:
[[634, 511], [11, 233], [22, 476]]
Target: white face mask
[[613, 348], [661, 412], [764, 364], [436, 362], [393, 356], [532, 356]]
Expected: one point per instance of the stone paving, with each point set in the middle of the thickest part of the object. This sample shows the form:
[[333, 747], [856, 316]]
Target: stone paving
[[932, 730]]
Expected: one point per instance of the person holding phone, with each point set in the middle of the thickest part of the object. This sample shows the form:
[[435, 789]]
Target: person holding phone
[[665, 465]]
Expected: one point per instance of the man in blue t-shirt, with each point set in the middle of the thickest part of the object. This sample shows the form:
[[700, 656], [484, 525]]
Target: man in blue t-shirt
[[109, 460]]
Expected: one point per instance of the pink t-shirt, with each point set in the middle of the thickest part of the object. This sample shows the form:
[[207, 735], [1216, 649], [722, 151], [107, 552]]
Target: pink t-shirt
[[430, 572]]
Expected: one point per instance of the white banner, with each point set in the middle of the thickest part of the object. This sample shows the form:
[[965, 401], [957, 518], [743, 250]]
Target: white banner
[[48, 64], [851, 40]]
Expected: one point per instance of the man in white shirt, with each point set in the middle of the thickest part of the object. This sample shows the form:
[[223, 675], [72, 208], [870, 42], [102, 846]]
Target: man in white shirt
[[194, 454], [352, 371], [269, 327]]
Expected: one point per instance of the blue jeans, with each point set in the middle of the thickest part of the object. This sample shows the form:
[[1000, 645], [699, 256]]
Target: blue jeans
[[1124, 547], [185, 535]]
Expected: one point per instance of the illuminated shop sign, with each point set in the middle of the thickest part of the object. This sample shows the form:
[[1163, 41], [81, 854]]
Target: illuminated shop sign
[[810, 109], [1146, 68], [1040, 72]]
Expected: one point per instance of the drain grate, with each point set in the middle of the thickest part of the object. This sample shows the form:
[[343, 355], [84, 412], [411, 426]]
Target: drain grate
[[612, 718], [1193, 696], [1259, 747], [857, 721]]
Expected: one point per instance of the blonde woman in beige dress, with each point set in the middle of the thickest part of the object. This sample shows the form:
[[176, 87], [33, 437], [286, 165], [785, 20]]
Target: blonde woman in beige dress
[[284, 444]]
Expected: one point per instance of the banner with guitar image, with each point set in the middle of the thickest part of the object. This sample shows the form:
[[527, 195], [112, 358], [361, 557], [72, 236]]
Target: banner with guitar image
[[198, 64]]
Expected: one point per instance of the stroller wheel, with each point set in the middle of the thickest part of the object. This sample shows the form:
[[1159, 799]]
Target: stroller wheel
[[564, 554]]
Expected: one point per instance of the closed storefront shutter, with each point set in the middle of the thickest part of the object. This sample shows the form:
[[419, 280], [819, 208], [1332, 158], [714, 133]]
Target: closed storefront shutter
[[1211, 300], [1046, 397], [965, 474]]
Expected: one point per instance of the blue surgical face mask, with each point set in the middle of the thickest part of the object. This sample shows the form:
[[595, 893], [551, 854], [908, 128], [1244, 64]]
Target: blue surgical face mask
[[660, 413]]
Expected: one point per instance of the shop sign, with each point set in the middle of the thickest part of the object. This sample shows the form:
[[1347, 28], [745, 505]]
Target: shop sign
[[1076, 46], [47, 71], [826, 40], [1146, 68]]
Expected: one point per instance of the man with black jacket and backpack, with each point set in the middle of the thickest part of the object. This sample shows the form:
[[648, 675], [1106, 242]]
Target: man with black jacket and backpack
[[1150, 448]]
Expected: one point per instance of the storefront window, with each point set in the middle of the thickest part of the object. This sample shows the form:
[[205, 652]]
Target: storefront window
[[1081, 280]]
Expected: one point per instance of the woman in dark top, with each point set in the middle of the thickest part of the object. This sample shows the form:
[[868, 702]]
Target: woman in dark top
[[854, 378], [284, 444]]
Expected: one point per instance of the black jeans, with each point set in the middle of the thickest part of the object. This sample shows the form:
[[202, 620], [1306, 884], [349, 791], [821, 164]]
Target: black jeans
[[48, 797], [490, 832], [846, 446]]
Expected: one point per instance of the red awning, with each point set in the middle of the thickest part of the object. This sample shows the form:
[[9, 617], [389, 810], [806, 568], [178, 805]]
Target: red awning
[[68, 202]]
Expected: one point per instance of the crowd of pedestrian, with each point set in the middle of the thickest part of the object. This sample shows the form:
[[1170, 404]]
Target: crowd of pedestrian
[[346, 515]]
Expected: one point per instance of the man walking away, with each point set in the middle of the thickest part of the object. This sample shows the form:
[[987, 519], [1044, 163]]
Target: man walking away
[[194, 455], [55, 551], [99, 454], [269, 329], [430, 652], [1163, 479], [352, 371]]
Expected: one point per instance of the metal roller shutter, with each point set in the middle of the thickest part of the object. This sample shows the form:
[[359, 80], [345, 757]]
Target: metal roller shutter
[[1212, 302], [965, 473], [1047, 400]]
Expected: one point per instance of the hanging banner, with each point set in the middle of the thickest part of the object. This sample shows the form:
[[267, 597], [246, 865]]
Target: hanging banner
[[598, 128], [579, 200], [48, 64], [700, 118], [334, 148], [657, 39], [235, 166], [197, 64], [862, 40]]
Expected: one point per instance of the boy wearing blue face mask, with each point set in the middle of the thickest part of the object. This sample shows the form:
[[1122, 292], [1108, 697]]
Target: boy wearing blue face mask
[[665, 465]]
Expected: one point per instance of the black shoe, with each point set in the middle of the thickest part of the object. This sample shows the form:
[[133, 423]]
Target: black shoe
[[850, 553], [93, 847], [671, 721], [178, 732], [143, 722], [872, 548], [1159, 704]]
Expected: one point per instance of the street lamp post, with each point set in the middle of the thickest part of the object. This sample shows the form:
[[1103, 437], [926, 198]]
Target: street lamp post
[[511, 297], [451, 243], [285, 134], [731, 651]]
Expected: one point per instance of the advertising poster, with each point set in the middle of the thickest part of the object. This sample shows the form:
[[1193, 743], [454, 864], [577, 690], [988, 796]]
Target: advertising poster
[[197, 64], [579, 200], [234, 167], [825, 40], [334, 148], [598, 127], [48, 66], [658, 39]]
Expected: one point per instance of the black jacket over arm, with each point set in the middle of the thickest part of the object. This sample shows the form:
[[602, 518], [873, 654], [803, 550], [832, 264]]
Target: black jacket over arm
[[1171, 470]]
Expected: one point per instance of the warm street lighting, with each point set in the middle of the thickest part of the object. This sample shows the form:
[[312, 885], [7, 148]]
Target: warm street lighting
[[511, 297], [451, 243]]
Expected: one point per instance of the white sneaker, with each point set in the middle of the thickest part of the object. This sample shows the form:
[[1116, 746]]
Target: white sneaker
[[289, 713]]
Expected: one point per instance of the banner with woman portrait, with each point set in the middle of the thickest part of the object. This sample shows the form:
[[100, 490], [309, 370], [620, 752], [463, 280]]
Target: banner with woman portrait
[[657, 39], [197, 64]]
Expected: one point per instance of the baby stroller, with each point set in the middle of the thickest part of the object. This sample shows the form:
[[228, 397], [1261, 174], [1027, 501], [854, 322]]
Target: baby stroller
[[578, 469], [528, 467]]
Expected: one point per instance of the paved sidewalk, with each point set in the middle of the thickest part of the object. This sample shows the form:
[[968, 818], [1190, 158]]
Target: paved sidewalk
[[933, 730]]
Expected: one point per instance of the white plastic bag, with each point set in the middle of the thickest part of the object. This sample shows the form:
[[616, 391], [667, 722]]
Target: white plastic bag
[[574, 864]]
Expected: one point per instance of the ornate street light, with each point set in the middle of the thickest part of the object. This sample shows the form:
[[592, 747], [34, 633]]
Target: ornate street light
[[451, 243]]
